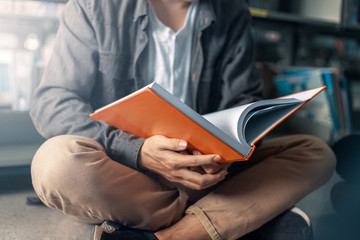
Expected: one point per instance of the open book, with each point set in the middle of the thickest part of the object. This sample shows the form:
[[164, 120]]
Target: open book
[[231, 133]]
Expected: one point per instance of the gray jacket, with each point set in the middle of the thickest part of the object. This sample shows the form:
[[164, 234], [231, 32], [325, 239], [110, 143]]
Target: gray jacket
[[95, 61]]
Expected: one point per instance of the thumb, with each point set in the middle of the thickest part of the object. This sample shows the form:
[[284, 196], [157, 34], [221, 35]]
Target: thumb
[[170, 143]]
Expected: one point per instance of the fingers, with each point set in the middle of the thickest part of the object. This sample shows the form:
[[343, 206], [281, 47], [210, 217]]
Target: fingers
[[169, 158], [169, 148], [211, 168], [204, 172], [197, 181], [169, 143], [195, 160]]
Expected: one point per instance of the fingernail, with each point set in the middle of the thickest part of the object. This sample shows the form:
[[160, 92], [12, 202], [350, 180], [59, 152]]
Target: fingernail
[[217, 158], [182, 144]]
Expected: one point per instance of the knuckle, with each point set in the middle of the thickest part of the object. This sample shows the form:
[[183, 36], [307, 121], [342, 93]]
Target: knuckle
[[172, 179], [188, 185], [156, 140], [171, 164], [198, 187], [195, 161], [173, 174], [201, 183], [212, 171], [174, 143], [202, 160]]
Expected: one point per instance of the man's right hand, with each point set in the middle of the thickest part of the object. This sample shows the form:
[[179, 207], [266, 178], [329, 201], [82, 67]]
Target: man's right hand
[[168, 158]]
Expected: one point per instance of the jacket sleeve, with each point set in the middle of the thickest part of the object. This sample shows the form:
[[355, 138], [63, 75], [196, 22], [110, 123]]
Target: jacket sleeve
[[241, 82], [60, 103]]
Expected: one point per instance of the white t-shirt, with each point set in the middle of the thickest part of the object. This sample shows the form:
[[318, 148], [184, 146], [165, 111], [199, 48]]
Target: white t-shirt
[[169, 54]]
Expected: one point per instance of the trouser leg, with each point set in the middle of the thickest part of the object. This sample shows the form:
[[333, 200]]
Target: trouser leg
[[74, 175], [289, 168]]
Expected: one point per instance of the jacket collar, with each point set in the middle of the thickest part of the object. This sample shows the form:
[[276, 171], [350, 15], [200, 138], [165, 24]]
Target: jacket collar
[[141, 9], [207, 14]]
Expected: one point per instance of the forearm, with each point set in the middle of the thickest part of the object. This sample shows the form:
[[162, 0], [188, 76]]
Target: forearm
[[61, 103], [66, 114]]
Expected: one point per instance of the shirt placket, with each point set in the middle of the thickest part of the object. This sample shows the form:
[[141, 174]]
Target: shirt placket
[[171, 54]]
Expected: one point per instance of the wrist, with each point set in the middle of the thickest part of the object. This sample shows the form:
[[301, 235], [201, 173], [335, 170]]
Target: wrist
[[141, 162], [139, 159]]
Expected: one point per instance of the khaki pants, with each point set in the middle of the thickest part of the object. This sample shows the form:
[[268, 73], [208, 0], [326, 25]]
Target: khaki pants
[[74, 175]]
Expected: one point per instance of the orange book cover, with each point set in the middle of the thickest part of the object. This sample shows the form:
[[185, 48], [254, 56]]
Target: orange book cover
[[154, 111]]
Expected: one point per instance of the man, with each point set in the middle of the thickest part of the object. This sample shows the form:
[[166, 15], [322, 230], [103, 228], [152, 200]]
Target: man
[[202, 52]]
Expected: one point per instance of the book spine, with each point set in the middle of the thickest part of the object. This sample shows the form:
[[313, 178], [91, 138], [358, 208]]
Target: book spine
[[330, 94]]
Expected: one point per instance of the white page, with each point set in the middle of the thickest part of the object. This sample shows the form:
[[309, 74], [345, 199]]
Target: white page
[[227, 120], [228, 124], [303, 96]]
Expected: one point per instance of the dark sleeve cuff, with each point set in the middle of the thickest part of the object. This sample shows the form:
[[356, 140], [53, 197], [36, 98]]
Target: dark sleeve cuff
[[126, 150]]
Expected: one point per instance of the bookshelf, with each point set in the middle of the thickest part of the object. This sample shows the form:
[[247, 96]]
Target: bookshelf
[[311, 33], [280, 17], [302, 25]]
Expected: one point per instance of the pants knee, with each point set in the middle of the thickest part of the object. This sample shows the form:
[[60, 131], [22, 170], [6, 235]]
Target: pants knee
[[57, 172], [319, 156], [74, 175]]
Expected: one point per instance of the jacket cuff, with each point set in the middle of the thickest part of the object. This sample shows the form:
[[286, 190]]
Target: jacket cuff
[[127, 152]]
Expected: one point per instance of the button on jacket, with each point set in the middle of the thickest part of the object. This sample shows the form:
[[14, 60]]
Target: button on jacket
[[95, 61]]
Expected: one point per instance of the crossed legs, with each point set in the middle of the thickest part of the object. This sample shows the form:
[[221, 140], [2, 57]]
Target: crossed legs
[[74, 175]]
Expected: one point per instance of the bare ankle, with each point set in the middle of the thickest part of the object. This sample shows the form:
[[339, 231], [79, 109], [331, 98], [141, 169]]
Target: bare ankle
[[189, 228]]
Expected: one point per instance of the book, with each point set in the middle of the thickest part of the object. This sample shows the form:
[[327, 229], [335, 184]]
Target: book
[[346, 101], [328, 115], [335, 107], [353, 77], [324, 10], [230, 133]]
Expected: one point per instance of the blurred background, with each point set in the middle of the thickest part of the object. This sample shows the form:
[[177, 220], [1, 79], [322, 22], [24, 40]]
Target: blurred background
[[27, 33], [300, 44]]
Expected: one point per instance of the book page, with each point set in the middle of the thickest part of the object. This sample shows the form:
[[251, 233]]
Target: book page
[[261, 121], [303, 96], [227, 120], [247, 123]]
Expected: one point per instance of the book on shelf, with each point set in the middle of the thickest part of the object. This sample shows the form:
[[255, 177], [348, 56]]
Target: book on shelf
[[353, 77], [347, 106], [352, 12], [330, 110], [338, 82], [231, 133], [324, 10]]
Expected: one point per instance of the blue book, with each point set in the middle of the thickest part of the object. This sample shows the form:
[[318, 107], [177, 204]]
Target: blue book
[[323, 109], [347, 106], [330, 93]]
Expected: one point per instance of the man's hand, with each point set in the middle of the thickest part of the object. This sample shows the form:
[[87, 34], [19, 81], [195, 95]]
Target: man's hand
[[211, 168], [167, 157]]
